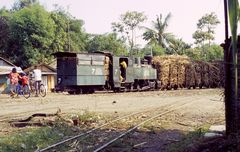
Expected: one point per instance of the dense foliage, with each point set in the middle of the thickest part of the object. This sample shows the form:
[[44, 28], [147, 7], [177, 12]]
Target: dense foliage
[[29, 34]]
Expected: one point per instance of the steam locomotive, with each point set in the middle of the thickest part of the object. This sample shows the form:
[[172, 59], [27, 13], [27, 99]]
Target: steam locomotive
[[80, 73]]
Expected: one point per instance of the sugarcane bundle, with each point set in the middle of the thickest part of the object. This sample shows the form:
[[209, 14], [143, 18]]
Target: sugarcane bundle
[[198, 73], [190, 76], [207, 74], [219, 64], [173, 75], [171, 70]]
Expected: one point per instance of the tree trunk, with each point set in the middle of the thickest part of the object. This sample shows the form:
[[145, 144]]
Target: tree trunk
[[232, 104]]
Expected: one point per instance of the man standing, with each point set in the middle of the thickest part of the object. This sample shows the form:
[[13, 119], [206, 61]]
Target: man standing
[[37, 74], [13, 76]]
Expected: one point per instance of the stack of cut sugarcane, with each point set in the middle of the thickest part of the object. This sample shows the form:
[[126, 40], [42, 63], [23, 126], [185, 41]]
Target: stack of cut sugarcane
[[190, 76], [207, 75], [171, 70], [179, 71], [220, 66], [162, 65]]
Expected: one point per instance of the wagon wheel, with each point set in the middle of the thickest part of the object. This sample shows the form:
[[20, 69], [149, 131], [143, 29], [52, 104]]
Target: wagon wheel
[[71, 92], [131, 87], [116, 90], [91, 90], [138, 88], [79, 91], [169, 87], [126, 89]]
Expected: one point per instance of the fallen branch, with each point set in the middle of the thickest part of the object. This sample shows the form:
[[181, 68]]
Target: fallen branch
[[183, 124], [22, 121], [140, 144], [24, 124]]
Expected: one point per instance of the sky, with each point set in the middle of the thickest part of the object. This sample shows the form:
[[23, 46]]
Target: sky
[[99, 14]]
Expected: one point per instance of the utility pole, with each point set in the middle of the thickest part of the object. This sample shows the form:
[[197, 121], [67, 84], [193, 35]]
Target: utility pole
[[68, 29], [227, 75]]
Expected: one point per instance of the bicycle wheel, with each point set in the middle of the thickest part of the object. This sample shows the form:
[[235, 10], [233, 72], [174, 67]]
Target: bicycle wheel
[[42, 90], [26, 91], [15, 92]]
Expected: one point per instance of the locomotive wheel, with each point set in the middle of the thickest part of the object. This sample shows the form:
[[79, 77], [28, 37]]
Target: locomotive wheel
[[79, 91], [131, 87], [116, 90], [126, 89], [71, 92], [138, 88], [91, 90]]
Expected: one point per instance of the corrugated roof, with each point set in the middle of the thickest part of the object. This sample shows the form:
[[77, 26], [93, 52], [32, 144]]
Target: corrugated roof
[[7, 69], [40, 66]]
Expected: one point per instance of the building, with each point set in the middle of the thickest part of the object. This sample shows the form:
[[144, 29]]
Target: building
[[48, 75], [5, 68]]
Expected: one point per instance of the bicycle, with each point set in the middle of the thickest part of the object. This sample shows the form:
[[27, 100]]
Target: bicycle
[[41, 90], [21, 90]]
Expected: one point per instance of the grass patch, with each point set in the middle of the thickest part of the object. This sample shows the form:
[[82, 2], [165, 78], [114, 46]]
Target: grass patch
[[188, 139], [33, 138]]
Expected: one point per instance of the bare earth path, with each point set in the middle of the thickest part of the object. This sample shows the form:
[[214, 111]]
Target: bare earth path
[[209, 101], [207, 105]]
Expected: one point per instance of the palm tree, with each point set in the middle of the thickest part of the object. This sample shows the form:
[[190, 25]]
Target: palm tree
[[158, 34], [178, 46]]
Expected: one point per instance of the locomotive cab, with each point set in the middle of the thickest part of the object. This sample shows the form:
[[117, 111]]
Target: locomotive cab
[[123, 64]]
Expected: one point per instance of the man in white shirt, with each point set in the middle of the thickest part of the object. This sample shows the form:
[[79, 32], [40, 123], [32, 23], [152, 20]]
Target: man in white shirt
[[37, 75]]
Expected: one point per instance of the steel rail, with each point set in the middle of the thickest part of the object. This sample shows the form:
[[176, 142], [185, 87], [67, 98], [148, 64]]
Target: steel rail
[[89, 131], [135, 127], [103, 125]]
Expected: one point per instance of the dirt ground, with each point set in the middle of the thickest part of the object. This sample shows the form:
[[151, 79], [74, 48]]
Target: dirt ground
[[208, 101], [206, 104]]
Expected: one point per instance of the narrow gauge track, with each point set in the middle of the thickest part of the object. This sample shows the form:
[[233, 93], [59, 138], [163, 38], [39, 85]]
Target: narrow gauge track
[[103, 138]]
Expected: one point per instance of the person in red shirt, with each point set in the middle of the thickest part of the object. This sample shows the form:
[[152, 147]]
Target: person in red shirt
[[13, 76], [24, 79]]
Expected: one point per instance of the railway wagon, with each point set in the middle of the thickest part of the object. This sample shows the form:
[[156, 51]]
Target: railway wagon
[[86, 72], [79, 73]]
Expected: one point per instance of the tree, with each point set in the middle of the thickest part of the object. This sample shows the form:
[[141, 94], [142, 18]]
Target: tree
[[158, 34], [32, 32], [205, 32], [107, 42], [177, 46], [232, 106], [20, 4], [60, 34], [77, 36], [69, 33], [4, 29], [153, 49], [215, 52], [127, 26], [205, 29]]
